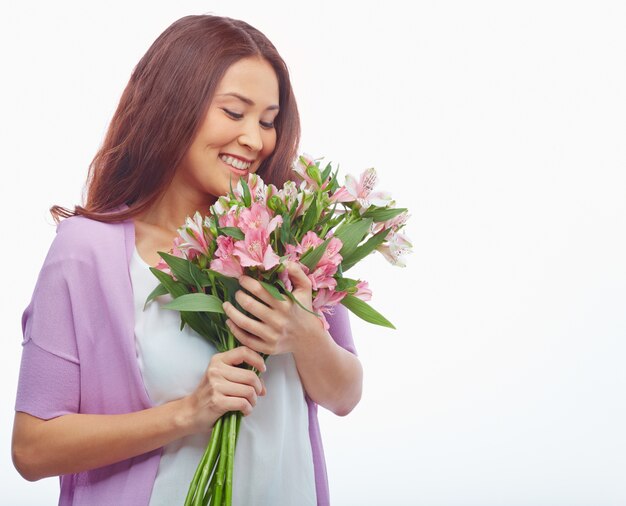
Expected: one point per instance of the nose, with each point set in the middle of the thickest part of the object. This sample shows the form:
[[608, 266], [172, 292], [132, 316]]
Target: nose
[[250, 136]]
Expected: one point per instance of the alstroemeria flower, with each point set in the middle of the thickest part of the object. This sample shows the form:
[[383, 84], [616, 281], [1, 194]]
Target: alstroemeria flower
[[302, 163], [362, 191], [162, 265], [196, 236], [392, 224], [255, 185], [258, 216], [230, 219], [324, 302], [255, 250], [396, 247], [225, 262], [363, 291]]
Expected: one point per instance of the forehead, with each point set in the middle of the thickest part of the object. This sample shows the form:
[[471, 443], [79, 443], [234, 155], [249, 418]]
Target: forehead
[[253, 78]]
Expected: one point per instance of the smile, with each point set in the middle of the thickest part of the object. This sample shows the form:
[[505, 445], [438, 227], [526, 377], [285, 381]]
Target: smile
[[235, 162]]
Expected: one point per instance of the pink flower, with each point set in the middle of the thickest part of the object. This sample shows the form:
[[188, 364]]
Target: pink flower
[[222, 205], [255, 250], [258, 217], [255, 185], [393, 224], [396, 247], [302, 163], [324, 302], [331, 255], [362, 191], [225, 262], [230, 219], [322, 276], [290, 195], [284, 277], [162, 265], [363, 291], [196, 236], [309, 240]]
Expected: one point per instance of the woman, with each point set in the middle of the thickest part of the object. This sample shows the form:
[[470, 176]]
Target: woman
[[116, 400]]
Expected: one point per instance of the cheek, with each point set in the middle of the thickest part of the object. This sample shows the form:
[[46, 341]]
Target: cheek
[[269, 143]]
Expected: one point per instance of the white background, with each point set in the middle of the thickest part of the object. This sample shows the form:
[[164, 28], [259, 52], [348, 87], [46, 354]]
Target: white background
[[501, 125]]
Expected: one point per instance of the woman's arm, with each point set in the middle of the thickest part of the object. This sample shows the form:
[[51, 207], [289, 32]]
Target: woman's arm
[[74, 443], [78, 442], [330, 374]]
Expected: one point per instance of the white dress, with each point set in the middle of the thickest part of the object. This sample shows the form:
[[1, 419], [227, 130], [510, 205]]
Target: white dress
[[273, 457]]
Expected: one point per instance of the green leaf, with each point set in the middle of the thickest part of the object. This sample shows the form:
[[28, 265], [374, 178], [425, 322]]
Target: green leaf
[[157, 292], [186, 271], [345, 284], [383, 213], [364, 249], [196, 302], [274, 292], [234, 232], [312, 257], [310, 217], [247, 199], [351, 234], [285, 229], [326, 172], [176, 288], [364, 311]]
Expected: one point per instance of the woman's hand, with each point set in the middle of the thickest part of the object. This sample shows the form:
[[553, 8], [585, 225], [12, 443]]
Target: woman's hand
[[225, 387], [281, 326]]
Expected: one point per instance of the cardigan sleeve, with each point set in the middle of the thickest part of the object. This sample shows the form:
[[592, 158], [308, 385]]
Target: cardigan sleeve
[[49, 379], [339, 328]]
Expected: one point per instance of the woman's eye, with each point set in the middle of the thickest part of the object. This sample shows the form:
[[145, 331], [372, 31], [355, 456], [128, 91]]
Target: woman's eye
[[267, 124], [232, 114]]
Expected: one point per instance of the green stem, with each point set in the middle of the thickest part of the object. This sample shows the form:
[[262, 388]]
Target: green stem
[[230, 457], [211, 489], [219, 486], [209, 464], [194, 482]]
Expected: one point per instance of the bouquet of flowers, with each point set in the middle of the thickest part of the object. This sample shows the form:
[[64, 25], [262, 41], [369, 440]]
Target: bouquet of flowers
[[326, 227]]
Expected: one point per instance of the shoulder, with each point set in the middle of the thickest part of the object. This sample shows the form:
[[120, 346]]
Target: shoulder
[[81, 238]]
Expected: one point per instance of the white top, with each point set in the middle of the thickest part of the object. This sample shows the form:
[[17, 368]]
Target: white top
[[273, 457]]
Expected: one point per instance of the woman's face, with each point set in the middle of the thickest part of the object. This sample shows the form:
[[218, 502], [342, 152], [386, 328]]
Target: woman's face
[[237, 133]]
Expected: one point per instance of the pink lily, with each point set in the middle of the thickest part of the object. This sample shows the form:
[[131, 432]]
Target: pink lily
[[395, 248], [258, 217], [362, 191], [363, 291], [225, 262], [196, 237], [255, 250]]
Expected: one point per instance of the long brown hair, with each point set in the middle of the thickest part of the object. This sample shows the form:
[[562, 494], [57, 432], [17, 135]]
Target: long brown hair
[[162, 108]]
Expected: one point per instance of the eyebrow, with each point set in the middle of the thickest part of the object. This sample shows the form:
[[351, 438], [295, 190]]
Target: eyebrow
[[247, 100]]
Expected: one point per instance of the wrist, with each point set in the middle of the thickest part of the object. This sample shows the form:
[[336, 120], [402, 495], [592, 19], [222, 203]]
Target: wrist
[[183, 416]]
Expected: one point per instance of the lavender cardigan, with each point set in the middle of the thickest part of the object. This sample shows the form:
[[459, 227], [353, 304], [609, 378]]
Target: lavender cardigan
[[79, 355]]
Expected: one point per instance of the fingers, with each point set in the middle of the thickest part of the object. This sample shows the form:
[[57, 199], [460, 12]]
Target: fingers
[[237, 389], [240, 355], [236, 375], [254, 327], [256, 289], [250, 340], [252, 305]]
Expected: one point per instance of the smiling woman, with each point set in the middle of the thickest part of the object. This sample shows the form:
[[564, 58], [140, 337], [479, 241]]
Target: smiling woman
[[117, 400], [237, 134]]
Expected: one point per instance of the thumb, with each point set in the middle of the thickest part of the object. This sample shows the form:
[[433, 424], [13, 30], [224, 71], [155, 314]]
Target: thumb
[[299, 279]]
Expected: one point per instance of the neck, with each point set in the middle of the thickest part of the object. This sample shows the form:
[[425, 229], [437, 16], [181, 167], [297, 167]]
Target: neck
[[178, 202]]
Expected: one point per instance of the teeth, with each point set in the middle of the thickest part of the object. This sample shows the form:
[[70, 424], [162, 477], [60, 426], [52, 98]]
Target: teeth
[[235, 162]]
